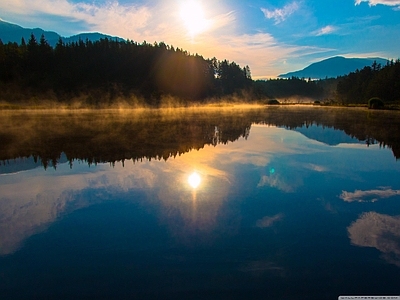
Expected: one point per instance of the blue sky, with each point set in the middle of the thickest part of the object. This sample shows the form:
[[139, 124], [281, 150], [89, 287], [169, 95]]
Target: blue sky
[[272, 37]]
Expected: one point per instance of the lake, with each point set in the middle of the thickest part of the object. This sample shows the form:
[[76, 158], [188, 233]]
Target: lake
[[218, 203]]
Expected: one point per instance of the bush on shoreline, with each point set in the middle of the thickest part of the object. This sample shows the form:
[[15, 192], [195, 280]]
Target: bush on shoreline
[[375, 103]]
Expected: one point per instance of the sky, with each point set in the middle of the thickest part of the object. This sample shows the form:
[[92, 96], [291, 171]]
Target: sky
[[272, 37]]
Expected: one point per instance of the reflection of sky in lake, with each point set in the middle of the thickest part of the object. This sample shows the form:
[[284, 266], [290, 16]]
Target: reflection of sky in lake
[[275, 212]]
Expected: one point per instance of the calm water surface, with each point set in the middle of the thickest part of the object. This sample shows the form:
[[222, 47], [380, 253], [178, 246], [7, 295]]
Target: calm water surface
[[282, 203]]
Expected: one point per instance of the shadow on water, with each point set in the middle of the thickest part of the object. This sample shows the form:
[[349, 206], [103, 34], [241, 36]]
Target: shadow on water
[[51, 137]]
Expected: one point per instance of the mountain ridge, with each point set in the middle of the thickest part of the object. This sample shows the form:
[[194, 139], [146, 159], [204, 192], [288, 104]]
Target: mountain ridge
[[10, 32], [333, 67]]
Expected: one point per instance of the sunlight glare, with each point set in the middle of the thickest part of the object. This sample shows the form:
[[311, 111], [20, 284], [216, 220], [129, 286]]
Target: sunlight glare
[[192, 14], [194, 180]]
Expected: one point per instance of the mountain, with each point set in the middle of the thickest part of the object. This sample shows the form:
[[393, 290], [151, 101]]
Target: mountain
[[14, 33], [334, 67]]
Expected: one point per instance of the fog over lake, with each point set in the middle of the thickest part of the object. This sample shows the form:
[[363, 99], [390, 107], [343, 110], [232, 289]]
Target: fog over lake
[[211, 203]]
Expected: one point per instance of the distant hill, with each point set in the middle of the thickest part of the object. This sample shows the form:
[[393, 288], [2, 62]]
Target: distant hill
[[14, 33], [334, 67]]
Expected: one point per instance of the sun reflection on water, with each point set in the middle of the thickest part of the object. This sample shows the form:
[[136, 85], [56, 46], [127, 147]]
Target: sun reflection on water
[[194, 180]]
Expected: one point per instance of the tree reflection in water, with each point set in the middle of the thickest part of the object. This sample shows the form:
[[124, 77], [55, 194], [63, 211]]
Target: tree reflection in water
[[110, 136]]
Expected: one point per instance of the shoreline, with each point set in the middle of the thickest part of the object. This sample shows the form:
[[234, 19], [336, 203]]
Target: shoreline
[[27, 107]]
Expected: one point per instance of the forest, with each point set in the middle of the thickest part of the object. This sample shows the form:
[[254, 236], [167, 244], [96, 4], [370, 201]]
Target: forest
[[107, 72], [374, 81]]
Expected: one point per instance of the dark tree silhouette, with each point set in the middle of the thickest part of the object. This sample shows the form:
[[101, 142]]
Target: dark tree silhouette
[[374, 81], [107, 70]]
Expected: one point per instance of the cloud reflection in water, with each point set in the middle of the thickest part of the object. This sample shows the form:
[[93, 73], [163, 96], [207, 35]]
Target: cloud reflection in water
[[378, 231], [31, 201], [268, 221], [369, 195]]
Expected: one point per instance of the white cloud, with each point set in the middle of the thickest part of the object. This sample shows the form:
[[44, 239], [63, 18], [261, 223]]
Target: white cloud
[[395, 3], [111, 17], [363, 55], [369, 195], [325, 30], [262, 51], [281, 14]]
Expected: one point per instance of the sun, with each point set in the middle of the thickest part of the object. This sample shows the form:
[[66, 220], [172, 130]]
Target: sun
[[194, 180], [192, 15]]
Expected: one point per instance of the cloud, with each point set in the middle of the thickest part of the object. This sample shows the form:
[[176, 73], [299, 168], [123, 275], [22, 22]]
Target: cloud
[[395, 3], [325, 30], [222, 20], [378, 231], [281, 14], [111, 17], [362, 55], [268, 221], [263, 52], [369, 195], [158, 21]]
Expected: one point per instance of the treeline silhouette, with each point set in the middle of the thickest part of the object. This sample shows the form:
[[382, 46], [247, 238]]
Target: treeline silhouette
[[107, 70], [287, 88], [374, 81]]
